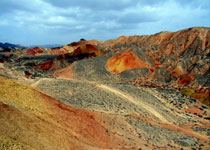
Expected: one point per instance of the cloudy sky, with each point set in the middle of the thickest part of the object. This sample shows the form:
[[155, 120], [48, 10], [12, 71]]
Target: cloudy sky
[[32, 22]]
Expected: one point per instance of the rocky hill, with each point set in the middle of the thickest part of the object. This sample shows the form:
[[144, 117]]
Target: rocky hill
[[167, 59], [130, 93]]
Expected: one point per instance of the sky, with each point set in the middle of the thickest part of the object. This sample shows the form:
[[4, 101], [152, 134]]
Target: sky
[[40, 22]]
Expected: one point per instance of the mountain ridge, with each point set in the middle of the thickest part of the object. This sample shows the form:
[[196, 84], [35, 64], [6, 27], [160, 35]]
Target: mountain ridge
[[130, 93], [9, 45]]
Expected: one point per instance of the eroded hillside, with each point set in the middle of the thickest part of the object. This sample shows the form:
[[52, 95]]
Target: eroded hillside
[[121, 94]]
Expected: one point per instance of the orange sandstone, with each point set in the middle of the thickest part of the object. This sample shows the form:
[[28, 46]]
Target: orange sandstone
[[125, 61]]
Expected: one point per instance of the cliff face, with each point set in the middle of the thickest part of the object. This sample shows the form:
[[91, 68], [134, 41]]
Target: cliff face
[[125, 93]]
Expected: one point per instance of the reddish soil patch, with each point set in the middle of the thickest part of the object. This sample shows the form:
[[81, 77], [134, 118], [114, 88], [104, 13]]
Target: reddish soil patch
[[154, 68], [45, 66], [65, 73], [194, 111], [77, 51], [28, 74], [185, 80]]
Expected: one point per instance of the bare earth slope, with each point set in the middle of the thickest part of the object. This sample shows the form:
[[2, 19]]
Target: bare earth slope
[[124, 94]]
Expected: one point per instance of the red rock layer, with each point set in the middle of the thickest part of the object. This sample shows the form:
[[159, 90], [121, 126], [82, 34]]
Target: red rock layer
[[75, 48], [84, 51], [34, 51]]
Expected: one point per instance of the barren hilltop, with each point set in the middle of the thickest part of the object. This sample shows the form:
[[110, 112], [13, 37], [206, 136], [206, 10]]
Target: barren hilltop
[[130, 93]]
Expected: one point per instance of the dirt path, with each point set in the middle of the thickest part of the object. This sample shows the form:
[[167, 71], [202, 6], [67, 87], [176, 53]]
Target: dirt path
[[133, 100], [36, 83], [121, 94]]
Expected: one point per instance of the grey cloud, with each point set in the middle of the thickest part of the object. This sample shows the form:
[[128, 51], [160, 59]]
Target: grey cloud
[[203, 4], [136, 17], [94, 4], [102, 5], [7, 6], [12, 6], [65, 20]]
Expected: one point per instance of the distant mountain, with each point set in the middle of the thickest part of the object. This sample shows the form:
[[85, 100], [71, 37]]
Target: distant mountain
[[46, 46], [9, 45]]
